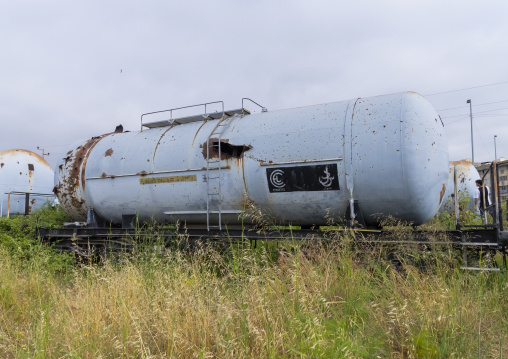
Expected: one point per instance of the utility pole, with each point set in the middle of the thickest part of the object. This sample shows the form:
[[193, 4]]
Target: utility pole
[[43, 154], [495, 148], [471, 116]]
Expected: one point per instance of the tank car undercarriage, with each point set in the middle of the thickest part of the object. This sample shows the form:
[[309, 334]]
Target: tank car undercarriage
[[95, 242], [97, 237]]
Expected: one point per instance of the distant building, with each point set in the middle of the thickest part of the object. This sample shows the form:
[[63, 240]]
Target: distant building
[[502, 168]]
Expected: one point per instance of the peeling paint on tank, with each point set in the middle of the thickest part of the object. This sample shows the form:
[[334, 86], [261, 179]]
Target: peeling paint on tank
[[108, 152], [71, 186]]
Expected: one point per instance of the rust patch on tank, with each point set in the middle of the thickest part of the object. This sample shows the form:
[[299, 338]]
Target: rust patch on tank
[[30, 177], [464, 163], [441, 194], [2, 165], [142, 173], [104, 175], [71, 185], [108, 152], [243, 178], [17, 151]]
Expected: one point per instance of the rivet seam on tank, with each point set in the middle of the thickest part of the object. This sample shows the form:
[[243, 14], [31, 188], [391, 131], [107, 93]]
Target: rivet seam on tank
[[348, 143], [196, 134], [157, 146]]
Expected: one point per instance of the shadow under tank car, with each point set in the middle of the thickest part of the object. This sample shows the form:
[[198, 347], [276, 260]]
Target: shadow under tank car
[[364, 158]]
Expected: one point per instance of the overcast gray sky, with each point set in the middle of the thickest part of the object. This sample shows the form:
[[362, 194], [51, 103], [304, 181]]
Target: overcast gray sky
[[76, 69]]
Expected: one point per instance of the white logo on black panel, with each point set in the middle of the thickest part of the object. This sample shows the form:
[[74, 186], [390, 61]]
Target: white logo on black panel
[[326, 180], [276, 179]]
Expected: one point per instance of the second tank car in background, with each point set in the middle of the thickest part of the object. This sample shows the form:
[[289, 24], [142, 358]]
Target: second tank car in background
[[26, 181]]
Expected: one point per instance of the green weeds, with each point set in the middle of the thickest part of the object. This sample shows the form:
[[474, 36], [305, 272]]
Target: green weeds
[[333, 299]]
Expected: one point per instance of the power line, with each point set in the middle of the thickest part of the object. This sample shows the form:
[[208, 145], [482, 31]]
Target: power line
[[464, 118], [476, 113], [467, 118], [481, 138], [455, 108], [468, 88], [476, 104], [494, 115]]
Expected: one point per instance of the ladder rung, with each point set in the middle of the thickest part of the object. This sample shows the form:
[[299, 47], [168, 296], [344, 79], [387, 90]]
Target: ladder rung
[[218, 131]]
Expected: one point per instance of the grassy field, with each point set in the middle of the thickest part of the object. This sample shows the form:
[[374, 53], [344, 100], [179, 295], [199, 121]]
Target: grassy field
[[314, 301]]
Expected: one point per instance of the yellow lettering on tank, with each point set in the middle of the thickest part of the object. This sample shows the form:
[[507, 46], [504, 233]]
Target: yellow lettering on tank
[[168, 179]]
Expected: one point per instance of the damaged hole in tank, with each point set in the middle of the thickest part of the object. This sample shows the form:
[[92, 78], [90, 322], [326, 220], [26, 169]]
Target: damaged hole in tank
[[30, 167], [227, 150]]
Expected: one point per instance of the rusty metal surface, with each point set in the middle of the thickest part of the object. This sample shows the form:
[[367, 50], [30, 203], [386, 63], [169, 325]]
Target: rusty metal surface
[[70, 184], [21, 172], [389, 154], [466, 187]]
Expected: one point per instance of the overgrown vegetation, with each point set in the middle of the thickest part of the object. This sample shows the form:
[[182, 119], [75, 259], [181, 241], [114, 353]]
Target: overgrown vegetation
[[318, 300], [467, 215]]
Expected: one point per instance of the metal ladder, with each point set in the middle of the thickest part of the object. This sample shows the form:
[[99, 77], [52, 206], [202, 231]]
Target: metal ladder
[[213, 189]]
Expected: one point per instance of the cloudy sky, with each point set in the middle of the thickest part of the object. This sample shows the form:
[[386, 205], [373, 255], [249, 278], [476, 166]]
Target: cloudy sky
[[76, 69]]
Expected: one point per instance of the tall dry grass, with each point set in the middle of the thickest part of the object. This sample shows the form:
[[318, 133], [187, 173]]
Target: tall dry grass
[[316, 301]]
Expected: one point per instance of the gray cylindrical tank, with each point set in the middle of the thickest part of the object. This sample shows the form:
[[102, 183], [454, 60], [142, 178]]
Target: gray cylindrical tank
[[466, 187], [23, 171], [300, 166]]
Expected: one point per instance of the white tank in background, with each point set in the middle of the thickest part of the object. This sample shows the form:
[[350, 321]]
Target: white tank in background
[[466, 187], [23, 172]]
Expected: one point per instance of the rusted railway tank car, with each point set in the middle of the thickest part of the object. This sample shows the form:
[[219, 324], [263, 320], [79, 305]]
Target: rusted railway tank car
[[378, 156], [24, 176]]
